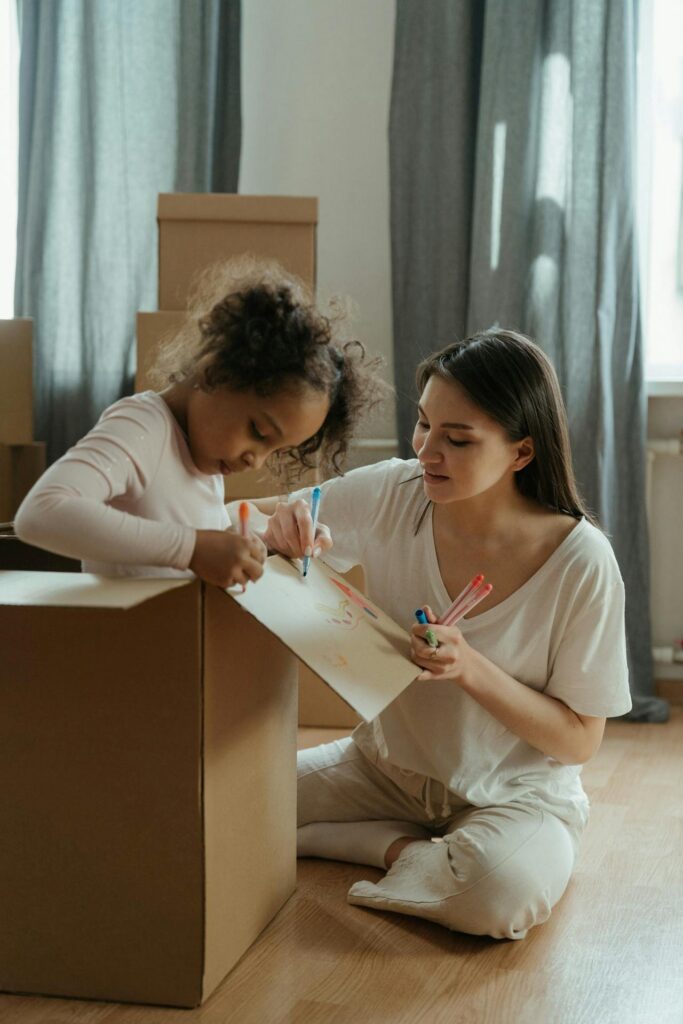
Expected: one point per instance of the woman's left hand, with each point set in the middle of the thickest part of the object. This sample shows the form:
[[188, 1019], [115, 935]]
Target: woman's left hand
[[449, 660]]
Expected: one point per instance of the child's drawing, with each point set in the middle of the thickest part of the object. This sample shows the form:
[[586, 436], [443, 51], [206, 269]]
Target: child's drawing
[[343, 614], [356, 598], [336, 660]]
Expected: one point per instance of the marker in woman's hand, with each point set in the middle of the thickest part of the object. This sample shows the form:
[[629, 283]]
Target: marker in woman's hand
[[315, 505], [429, 635]]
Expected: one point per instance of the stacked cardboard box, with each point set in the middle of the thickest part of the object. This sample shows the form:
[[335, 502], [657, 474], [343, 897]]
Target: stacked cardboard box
[[22, 460]]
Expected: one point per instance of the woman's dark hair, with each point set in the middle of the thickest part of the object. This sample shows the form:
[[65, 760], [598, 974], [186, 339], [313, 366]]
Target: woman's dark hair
[[265, 334], [514, 382]]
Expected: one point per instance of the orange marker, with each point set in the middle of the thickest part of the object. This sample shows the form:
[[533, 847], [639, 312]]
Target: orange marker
[[244, 519]]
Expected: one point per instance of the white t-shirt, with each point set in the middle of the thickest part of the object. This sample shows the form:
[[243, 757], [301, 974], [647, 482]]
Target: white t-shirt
[[127, 499], [561, 632]]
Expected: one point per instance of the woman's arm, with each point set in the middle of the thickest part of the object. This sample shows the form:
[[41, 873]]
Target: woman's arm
[[543, 722], [285, 528]]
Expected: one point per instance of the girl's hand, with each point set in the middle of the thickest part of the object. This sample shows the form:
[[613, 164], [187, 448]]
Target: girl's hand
[[224, 557], [290, 531], [450, 660]]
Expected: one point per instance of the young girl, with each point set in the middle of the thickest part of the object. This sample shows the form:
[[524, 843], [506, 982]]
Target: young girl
[[467, 788], [256, 374]]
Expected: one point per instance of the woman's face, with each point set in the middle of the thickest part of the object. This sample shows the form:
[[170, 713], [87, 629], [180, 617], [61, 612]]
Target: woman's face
[[230, 431], [462, 451]]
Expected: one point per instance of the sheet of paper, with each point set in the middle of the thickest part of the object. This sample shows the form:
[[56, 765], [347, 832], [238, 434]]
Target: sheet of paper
[[349, 642]]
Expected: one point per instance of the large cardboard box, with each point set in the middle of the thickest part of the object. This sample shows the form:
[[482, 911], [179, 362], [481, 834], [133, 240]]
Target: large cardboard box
[[147, 766], [196, 230], [16, 382], [20, 467], [153, 329]]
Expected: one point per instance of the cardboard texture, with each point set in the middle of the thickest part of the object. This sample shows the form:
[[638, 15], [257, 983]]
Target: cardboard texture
[[153, 329], [143, 774], [197, 230], [16, 382], [20, 467], [351, 643]]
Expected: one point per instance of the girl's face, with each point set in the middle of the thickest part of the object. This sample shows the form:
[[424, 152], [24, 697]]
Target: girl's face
[[230, 431], [463, 452]]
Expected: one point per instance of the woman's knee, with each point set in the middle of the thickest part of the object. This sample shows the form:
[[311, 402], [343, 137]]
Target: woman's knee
[[506, 895]]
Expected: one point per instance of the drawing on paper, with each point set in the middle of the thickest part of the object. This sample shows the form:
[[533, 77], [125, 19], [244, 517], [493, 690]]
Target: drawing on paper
[[336, 660], [356, 598], [343, 614]]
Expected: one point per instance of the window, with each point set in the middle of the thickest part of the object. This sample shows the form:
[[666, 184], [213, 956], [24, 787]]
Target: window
[[660, 190]]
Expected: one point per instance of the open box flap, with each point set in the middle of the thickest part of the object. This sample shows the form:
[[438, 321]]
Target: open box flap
[[80, 589], [347, 640]]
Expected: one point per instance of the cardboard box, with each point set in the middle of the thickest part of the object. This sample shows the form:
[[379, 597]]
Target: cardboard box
[[146, 766], [16, 381], [153, 329], [20, 467], [197, 230]]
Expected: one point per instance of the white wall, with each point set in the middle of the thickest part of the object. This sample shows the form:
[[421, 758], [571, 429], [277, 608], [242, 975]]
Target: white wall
[[316, 83]]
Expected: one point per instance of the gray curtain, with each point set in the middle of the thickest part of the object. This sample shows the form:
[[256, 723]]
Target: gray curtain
[[118, 100], [512, 203]]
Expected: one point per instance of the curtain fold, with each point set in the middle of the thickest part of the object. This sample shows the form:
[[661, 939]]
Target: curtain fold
[[117, 102], [543, 227]]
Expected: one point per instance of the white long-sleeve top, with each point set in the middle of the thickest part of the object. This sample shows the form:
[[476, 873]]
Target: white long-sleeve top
[[127, 499]]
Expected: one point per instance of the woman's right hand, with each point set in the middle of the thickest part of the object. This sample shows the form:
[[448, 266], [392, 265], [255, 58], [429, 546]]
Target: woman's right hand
[[290, 531], [225, 557]]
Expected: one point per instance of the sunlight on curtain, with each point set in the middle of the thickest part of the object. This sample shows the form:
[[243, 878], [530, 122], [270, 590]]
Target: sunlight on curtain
[[555, 151], [9, 71], [499, 137]]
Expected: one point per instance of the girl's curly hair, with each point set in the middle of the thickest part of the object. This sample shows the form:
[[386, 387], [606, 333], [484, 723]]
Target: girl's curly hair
[[265, 334]]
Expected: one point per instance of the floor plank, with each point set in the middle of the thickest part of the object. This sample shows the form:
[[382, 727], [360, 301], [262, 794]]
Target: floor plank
[[612, 952]]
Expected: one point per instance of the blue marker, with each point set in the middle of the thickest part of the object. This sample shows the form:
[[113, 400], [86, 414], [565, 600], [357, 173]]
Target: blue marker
[[315, 505], [429, 635]]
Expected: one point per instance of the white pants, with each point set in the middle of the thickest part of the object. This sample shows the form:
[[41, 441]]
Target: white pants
[[498, 871]]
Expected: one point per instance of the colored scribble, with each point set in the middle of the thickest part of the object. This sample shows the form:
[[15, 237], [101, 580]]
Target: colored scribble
[[336, 660], [356, 598], [343, 614]]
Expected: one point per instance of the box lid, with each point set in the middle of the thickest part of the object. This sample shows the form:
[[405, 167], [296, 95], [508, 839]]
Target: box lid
[[79, 590], [229, 206], [343, 637]]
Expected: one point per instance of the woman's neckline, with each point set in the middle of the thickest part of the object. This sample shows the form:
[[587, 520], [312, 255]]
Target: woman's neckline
[[503, 605]]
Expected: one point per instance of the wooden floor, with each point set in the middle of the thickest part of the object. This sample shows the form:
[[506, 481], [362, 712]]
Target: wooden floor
[[611, 952]]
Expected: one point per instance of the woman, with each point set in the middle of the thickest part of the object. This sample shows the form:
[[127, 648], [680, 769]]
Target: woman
[[483, 752]]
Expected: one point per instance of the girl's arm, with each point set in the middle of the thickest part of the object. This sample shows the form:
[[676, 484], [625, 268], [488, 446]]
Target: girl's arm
[[67, 511], [544, 722]]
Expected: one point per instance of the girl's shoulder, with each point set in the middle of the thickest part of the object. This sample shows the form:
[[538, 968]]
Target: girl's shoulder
[[146, 408]]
